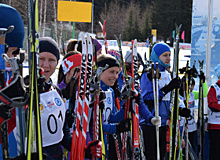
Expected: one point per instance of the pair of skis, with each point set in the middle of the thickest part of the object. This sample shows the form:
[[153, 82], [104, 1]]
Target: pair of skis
[[34, 137], [174, 102], [156, 103], [82, 101]]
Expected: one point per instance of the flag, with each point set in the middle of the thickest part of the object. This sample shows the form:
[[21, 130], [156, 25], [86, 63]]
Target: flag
[[183, 35], [173, 34]]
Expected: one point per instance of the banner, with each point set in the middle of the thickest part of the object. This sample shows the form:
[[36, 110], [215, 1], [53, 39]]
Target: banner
[[199, 35]]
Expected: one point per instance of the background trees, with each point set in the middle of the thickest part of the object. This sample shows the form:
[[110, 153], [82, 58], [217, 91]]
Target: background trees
[[131, 18]]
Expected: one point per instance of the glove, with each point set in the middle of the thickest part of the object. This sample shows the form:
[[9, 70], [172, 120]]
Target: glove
[[202, 77], [156, 121], [102, 96], [137, 98], [174, 83], [42, 86], [5, 113], [71, 88], [116, 90], [34, 156], [93, 148], [123, 126], [184, 112], [149, 74]]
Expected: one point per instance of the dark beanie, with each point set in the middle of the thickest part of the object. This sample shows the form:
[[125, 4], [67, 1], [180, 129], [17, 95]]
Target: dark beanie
[[108, 62], [48, 44], [10, 16]]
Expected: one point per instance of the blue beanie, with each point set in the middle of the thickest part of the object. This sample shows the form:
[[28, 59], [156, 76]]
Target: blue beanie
[[157, 50], [217, 70], [10, 16], [48, 44], [160, 48]]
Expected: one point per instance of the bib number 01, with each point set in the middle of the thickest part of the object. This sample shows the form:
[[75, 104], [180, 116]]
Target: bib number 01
[[52, 119]]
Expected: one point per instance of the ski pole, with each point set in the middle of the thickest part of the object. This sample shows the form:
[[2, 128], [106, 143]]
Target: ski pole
[[157, 110]]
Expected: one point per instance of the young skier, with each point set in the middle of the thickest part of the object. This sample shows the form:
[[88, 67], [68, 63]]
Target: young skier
[[214, 117], [161, 54]]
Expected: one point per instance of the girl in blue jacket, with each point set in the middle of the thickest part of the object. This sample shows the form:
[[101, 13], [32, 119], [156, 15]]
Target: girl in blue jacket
[[161, 54]]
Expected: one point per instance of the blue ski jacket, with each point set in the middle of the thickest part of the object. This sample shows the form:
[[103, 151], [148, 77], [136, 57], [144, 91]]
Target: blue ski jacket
[[147, 94]]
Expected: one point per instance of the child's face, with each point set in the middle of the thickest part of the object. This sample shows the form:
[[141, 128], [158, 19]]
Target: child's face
[[165, 57], [109, 76]]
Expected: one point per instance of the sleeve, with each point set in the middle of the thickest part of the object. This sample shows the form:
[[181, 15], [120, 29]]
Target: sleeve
[[144, 111], [205, 91], [147, 89], [67, 138], [212, 100]]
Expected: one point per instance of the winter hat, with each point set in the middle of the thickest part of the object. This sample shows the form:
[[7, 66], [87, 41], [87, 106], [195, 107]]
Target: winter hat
[[97, 44], [157, 50], [217, 70], [108, 61], [48, 44], [71, 62], [115, 54], [10, 16], [128, 57], [160, 48]]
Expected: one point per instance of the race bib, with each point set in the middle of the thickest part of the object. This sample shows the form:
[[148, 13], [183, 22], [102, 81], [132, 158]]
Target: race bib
[[52, 117], [108, 106]]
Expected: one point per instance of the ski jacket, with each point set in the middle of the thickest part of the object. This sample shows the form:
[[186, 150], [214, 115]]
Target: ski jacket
[[214, 106], [54, 151], [164, 100]]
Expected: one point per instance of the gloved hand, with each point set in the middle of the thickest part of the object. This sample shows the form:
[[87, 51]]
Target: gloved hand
[[71, 88], [156, 121], [93, 148], [34, 156], [136, 97], [5, 113], [42, 86], [123, 126], [116, 89], [102, 96], [174, 83], [184, 112], [202, 76], [149, 74]]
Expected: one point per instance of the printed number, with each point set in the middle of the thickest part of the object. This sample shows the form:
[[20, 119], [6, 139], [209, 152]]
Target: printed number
[[53, 118]]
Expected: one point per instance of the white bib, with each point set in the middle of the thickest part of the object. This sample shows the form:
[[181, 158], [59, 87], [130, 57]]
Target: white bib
[[108, 101], [191, 121], [214, 117], [52, 117], [164, 80]]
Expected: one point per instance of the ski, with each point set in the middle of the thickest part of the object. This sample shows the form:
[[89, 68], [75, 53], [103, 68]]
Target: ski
[[85, 107], [104, 34], [201, 121], [34, 145], [174, 102], [79, 102], [135, 112]]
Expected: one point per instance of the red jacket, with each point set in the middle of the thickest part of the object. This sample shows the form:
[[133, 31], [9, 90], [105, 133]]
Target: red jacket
[[213, 104]]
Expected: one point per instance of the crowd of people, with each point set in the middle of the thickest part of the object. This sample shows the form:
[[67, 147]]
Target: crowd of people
[[56, 142]]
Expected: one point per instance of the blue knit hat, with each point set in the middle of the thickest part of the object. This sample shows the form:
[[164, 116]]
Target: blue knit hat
[[157, 50], [48, 44], [217, 70], [10, 16]]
